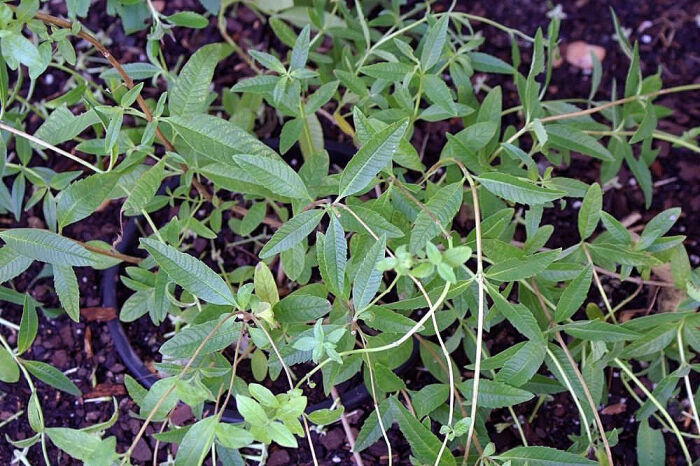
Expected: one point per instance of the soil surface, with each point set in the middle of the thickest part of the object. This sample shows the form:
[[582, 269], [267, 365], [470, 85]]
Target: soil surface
[[668, 36]]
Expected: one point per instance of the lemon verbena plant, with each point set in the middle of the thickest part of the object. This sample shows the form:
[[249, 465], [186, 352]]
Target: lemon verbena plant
[[319, 272]]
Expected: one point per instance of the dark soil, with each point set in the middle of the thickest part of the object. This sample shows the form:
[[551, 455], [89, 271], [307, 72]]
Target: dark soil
[[668, 38]]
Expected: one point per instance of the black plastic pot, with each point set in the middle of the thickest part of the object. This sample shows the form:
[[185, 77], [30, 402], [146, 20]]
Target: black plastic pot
[[351, 398]]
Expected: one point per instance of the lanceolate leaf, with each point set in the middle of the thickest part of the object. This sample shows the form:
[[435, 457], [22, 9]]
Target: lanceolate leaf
[[433, 43], [292, 232], [589, 215], [371, 158], [191, 89], [518, 190], [335, 254], [651, 448], [197, 442], [566, 137], [424, 445], [443, 206], [573, 296], [274, 174], [493, 394], [517, 269], [51, 376], [597, 330], [28, 326], [145, 188], [66, 285], [543, 456], [518, 315], [12, 264], [81, 198], [368, 277], [190, 273], [46, 246], [187, 340]]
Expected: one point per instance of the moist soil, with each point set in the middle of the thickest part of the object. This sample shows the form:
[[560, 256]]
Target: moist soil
[[668, 36]]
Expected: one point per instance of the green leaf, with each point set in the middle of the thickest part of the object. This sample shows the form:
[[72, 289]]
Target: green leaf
[[652, 341], [514, 269], [424, 445], [438, 92], [322, 417], [368, 277], [597, 330], [83, 197], [281, 435], [433, 43], [658, 226], [186, 341], [9, 370], [335, 254], [273, 174], [589, 215], [378, 224], [270, 62], [144, 189], [494, 394], [443, 206], [566, 137], [232, 436], [606, 252], [518, 315], [651, 448], [190, 273], [251, 410], [78, 444], [12, 264], [292, 232], [66, 285], [265, 286], [135, 71], [574, 295], [518, 190], [28, 326], [17, 48], [188, 19], [489, 64], [300, 51], [371, 430], [300, 308], [46, 246], [197, 442], [390, 71], [543, 456], [520, 367], [429, 398], [374, 155], [319, 98], [190, 92], [51, 376]]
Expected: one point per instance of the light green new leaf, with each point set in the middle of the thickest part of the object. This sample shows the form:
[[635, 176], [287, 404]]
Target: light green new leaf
[[597, 330], [83, 197], [232, 436], [251, 411], [433, 43], [186, 341], [651, 448], [9, 370], [78, 444], [335, 254], [66, 285], [46, 246], [658, 226], [567, 137], [197, 442], [368, 277], [574, 295], [543, 456], [144, 189], [28, 326], [589, 215], [518, 190], [443, 206], [273, 174], [51, 376], [12, 264], [190, 273], [374, 155], [424, 445], [190, 93], [265, 286], [292, 232]]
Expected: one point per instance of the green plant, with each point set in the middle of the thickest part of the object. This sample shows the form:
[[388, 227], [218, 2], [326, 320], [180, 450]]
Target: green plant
[[368, 258]]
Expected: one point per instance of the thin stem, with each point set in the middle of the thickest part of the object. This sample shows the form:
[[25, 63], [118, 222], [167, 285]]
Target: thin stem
[[599, 285], [686, 380]]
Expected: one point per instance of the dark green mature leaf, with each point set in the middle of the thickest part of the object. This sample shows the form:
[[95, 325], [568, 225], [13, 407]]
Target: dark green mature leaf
[[28, 326], [197, 442], [442, 207], [516, 189], [378, 224], [51, 376], [66, 285], [570, 138], [424, 445], [489, 64], [300, 51], [574, 295], [543, 456], [190, 273], [597, 330], [652, 341], [606, 252], [374, 155], [371, 430], [186, 341], [494, 394], [518, 315], [368, 277], [300, 308], [433, 43], [12, 264], [273, 174], [190, 93], [83, 197], [391, 71], [589, 215], [651, 448], [144, 189], [429, 398], [335, 254], [78, 444], [46, 246], [520, 367], [9, 370], [292, 232], [658, 226], [517, 269]]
